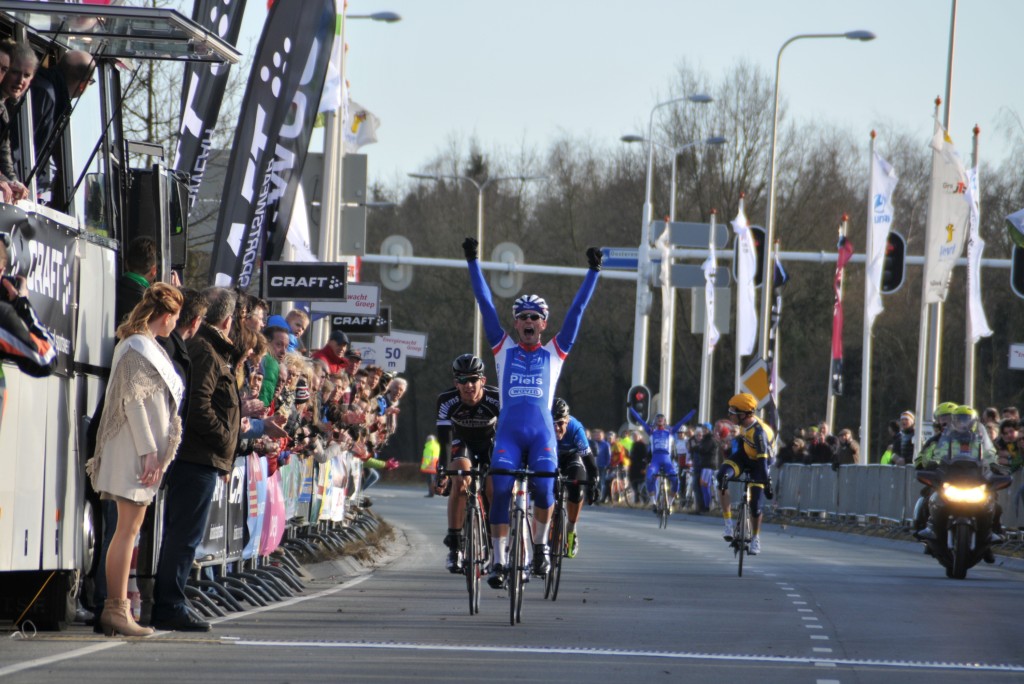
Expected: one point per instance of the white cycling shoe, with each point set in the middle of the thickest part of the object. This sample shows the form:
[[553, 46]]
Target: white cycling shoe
[[728, 531], [755, 546]]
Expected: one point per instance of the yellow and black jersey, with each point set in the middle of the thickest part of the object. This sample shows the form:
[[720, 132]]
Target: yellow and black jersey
[[757, 441]]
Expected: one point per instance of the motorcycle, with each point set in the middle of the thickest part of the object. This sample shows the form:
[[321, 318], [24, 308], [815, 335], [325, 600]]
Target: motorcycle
[[963, 507]]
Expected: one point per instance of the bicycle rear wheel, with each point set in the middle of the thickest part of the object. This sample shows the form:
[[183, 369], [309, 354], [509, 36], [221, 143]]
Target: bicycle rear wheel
[[554, 541], [558, 551], [474, 557], [516, 566]]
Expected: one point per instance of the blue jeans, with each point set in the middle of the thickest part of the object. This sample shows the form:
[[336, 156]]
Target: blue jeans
[[189, 495]]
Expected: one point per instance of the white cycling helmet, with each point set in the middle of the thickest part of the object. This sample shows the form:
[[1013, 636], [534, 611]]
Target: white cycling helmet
[[530, 303]]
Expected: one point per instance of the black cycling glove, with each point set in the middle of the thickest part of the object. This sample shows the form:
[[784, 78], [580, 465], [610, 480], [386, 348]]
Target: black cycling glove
[[593, 492], [471, 248], [769, 493], [594, 257]]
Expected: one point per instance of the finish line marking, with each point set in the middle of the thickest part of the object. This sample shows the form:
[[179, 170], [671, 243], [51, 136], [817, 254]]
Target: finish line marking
[[630, 653]]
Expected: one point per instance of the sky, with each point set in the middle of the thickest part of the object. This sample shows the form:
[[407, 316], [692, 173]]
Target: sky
[[528, 72]]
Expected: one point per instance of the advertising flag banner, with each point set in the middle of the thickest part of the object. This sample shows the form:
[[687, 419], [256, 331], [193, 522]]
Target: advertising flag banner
[[202, 92], [948, 216], [270, 141], [883, 182], [710, 267], [360, 127], [845, 252], [746, 268], [977, 324]]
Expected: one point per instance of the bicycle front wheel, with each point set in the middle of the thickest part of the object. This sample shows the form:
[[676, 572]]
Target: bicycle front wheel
[[516, 566], [663, 505], [742, 536], [474, 557], [558, 551]]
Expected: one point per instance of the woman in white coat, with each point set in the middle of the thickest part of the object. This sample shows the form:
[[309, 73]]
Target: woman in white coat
[[138, 436]]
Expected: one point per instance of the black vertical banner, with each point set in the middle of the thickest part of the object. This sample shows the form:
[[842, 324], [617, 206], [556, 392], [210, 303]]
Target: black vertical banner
[[297, 33], [292, 145], [202, 92]]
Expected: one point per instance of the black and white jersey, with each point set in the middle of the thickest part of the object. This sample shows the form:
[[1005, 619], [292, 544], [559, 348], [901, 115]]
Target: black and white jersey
[[473, 426]]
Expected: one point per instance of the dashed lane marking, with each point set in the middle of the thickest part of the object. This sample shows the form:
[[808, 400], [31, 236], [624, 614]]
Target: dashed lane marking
[[635, 653]]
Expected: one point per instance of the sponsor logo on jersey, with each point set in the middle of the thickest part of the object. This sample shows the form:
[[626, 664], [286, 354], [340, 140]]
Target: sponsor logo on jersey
[[526, 392]]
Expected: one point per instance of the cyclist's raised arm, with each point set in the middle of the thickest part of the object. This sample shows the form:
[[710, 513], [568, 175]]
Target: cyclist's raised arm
[[574, 316], [681, 423], [643, 423], [492, 325]]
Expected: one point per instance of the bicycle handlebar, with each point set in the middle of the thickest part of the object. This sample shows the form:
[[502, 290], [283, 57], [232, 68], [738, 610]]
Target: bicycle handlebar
[[522, 472]]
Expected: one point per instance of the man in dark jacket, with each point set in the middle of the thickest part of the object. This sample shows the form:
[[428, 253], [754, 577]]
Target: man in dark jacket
[[140, 267], [207, 452], [703, 454]]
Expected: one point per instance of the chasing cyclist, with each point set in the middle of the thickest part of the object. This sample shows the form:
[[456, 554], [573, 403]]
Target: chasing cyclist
[[751, 453], [527, 375], [466, 418], [575, 462], [661, 454]]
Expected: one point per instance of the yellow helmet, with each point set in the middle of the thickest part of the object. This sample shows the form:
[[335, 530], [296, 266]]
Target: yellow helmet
[[963, 418], [742, 403]]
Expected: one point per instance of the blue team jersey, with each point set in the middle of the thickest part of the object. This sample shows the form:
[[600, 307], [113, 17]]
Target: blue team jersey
[[575, 442]]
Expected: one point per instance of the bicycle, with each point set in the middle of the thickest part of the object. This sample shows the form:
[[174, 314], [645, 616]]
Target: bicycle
[[620, 488], [740, 541], [557, 537], [664, 509], [520, 538], [476, 546]]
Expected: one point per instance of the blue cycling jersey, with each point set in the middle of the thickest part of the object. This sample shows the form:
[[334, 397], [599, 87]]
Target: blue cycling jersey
[[574, 443], [527, 376]]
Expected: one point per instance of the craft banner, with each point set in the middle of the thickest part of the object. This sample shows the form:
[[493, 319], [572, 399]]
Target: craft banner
[[277, 107]]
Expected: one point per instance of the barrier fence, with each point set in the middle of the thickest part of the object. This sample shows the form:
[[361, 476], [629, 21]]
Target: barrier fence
[[260, 523], [871, 492]]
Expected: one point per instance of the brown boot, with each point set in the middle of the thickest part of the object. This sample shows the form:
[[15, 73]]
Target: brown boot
[[117, 619]]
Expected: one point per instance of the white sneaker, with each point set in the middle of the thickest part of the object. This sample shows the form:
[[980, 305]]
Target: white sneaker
[[755, 546], [727, 532]]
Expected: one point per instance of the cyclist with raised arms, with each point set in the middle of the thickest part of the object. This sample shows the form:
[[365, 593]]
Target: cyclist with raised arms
[[575, 462], [661, 454], [751, 452], [466, 418], [527, 375]]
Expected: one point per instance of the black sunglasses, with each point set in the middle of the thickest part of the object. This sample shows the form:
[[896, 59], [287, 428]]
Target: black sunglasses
[[466, 379], [529, 317]]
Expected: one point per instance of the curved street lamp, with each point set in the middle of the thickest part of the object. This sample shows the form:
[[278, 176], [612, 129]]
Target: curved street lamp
[[481, 187], [769, 239]]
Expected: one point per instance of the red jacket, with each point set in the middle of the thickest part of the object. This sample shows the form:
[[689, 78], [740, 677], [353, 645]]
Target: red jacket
[[335, 364]]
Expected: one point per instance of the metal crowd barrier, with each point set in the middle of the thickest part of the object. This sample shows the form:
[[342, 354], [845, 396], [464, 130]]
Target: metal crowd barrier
[[870, 492], [260, 524]]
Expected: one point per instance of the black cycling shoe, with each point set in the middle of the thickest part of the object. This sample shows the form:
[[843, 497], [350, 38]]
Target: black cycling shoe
[[454, 561], [540, 560], [496, 580], [989, 557]]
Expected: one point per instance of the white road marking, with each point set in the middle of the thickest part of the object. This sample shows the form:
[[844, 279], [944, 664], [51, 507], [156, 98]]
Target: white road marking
[[50, 660], [631, 653]]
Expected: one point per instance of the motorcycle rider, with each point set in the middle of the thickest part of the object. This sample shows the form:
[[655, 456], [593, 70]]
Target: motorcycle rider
[[926, 460]]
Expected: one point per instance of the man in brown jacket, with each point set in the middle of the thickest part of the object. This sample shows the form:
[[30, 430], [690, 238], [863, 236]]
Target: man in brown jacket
[[207, 452]]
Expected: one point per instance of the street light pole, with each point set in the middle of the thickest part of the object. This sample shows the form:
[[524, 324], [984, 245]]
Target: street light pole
[[480, 189], [643, 292], [329, 240], [769, 238], [668, 297]]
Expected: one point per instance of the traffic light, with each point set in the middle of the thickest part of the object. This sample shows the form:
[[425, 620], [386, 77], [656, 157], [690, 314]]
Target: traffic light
[[639, 399], [1017, 272], [893, 265], [757, 235]]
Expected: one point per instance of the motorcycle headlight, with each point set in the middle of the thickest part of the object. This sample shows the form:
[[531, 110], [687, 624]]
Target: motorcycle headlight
[[956, 494]]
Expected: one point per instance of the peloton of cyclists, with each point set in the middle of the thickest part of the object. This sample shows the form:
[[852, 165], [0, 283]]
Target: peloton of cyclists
[[751, 452], [528, 372], [575, 462], [466, 418]]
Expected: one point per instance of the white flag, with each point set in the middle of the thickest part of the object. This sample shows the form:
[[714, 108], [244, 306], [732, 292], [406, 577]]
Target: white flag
[[883, 182], [298, 229], [330, 98], [746, 269], [710, 267], [948, 216], [360, 127], [977, 325]]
